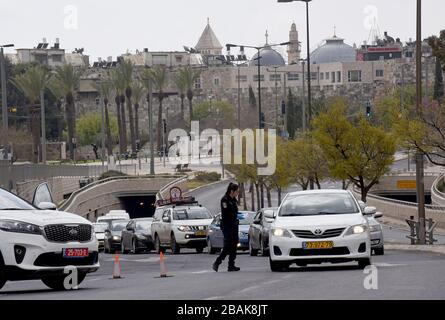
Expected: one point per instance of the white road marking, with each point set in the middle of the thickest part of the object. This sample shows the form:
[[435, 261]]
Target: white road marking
[[214, 298], [203, 271], [384, 264]]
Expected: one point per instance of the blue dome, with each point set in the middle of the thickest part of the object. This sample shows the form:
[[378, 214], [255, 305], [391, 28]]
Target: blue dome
[[269, 57], [334, 50]]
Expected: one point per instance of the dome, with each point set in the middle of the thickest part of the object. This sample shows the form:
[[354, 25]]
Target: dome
[[334, 50], [269, 57]]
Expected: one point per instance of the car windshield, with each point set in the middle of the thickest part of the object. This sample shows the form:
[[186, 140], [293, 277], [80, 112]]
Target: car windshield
[[9, 201], [100, 227], [118, 225], [192, 214], [143, 225], [318, 204], [246, 218]]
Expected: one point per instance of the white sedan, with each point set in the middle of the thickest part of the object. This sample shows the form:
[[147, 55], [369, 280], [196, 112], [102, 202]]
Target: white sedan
[[312, 227]]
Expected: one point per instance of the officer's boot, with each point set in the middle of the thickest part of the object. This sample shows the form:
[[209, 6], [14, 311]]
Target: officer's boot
[[216, 264]]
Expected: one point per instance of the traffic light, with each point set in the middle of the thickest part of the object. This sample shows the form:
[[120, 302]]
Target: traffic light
[[263, 120], [283, 107], [12, 109], [165, 126], [368, 109]]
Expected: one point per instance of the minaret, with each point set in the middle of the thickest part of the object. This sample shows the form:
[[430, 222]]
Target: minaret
[[294, 49]]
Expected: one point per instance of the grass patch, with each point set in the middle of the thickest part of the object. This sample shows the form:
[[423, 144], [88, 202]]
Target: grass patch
[[202, 178]]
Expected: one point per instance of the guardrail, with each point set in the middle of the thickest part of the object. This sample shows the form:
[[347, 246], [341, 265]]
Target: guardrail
[[438, 196], [11, 174], [68, 202]]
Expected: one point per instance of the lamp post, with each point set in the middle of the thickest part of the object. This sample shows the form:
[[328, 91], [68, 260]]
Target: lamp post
[[419, 156], [102, 131], [4, 97], [150, 126], [229, 45]]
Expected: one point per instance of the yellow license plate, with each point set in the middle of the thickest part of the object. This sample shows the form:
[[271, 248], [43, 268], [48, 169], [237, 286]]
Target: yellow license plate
[[318, 245], [200, 233]]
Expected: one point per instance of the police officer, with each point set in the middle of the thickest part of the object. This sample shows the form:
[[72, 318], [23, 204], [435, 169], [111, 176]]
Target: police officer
[[229, 227]]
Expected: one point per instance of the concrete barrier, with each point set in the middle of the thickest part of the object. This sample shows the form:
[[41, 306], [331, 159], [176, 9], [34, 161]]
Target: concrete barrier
[[438, 197]]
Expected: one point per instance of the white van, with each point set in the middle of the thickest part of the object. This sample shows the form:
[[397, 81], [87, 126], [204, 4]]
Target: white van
[[114, 215]]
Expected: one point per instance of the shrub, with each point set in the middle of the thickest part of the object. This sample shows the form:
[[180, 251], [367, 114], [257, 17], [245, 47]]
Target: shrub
[[207, 176], [111, 174]]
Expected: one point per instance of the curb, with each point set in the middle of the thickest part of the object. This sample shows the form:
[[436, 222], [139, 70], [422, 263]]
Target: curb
[[439, 249]]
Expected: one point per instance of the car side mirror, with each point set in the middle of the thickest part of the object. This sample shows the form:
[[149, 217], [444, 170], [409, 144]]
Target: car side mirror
[[370, 211], [166, 219], [269, 215], [47, 206], [378, 215]]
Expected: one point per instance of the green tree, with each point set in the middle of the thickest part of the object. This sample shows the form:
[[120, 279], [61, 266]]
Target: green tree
[[68, 79], [181, 85], [126, 69], [190, 76], [89, 128], [438, 83], [220, 113], [294, 114], [138, 94], [105, 89], [159, 78], [32, 83], [438, 46], [119, 87], [361, 153]]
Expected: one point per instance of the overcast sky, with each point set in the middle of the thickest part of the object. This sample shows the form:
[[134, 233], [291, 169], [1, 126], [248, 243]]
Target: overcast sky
[[111, 27]]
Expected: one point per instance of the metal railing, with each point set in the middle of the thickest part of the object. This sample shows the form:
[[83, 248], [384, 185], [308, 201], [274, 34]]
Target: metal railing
[[11, 174]]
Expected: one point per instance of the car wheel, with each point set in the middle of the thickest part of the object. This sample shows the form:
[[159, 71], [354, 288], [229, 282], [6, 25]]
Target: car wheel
[[211, 249], [57, 282], [200, 249], [379, 251], [278, 266], [158, 247], [264, 251], [253, 252], [363, 263], [174, 245]]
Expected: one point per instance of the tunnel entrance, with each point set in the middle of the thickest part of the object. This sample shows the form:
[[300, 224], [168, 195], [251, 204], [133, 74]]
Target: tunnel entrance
[[139, 206], [405, 197]]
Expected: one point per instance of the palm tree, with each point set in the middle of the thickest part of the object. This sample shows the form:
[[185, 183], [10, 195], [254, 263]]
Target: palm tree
[[159, 77], [181, 85], [57, 92], [105, 89], [32, 83], [138, 93], [126, 69], [68, 79], [119, 87], [190, 76]]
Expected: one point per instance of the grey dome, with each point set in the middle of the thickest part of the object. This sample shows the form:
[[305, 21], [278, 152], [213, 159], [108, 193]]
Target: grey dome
[[334, 50], [269, 57]]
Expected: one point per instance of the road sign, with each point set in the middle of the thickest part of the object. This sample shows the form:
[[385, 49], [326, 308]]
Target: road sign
[[406, 184], [175, 193]]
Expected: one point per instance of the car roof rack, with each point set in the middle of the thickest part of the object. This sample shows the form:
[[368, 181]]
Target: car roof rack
[[177, 201]]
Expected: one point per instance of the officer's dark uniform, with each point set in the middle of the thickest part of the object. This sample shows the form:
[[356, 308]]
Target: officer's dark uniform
[[229, 227]]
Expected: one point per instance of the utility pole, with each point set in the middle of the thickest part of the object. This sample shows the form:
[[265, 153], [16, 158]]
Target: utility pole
[[419, 156], [303, 98], [4, 95], [102, 132], [239, 98], [43, 125]]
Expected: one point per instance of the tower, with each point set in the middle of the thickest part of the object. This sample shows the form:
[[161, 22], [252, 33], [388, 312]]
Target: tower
[[294, 49]]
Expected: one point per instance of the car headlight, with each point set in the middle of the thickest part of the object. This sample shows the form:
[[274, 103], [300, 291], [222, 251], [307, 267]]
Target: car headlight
[[358, 229], [278, 232], [19, 227], [375, 228], [116, 238], [140, 236], [184, 228]]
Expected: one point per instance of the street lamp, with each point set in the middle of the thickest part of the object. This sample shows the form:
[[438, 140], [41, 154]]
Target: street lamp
[[4, 98], [308, 57], [102, 129], [229, 45]]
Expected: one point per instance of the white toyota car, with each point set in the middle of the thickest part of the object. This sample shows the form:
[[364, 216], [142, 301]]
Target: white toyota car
[[39, 243], [312, 227]]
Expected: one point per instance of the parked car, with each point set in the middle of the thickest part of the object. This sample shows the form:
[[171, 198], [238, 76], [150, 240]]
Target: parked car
[[180, 224], [113, 235], [137, 236], [99, 230], [259, 232], [318, 226], [114, 215], [37, 243], [215, 238]]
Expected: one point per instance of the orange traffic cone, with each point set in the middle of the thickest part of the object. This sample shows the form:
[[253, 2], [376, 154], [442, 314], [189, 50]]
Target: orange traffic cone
[[163, 266], [117, 268]]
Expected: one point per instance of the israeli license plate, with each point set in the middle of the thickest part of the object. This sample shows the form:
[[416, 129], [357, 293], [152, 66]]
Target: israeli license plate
[[318, 245], [200, 233], [75, 253]]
